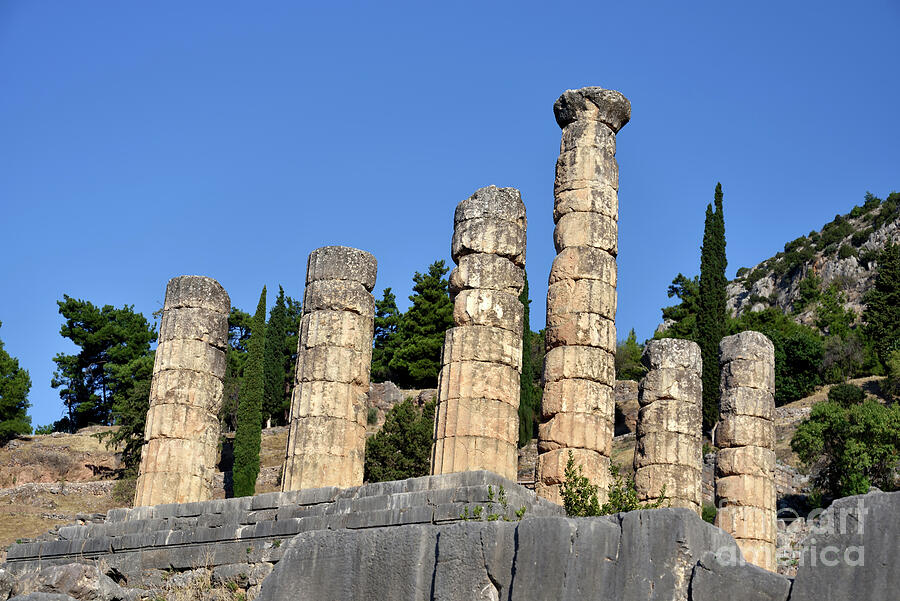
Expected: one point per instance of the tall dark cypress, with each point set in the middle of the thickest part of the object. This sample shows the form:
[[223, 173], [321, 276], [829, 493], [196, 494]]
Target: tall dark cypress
[[529, 397], [248, 434], [712, 320], [276, 335]]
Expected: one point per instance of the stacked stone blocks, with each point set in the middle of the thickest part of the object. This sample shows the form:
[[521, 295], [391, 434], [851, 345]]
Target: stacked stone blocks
[[326, 442], [578, 407], [669, 427], [476, 424], [178, 461], [745, 463]]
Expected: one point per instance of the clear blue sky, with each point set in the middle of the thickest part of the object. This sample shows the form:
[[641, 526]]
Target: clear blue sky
[[141, 141]]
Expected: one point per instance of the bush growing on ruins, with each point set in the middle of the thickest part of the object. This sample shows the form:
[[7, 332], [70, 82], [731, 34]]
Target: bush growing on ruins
[[14, 386], [248, 434], [850, 444], [708, 513], [402, 448], [580, 496]]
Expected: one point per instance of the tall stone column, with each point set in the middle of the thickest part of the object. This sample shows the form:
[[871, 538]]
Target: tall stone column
[[477, 420], [327, 439], [745, 463], [578, 408], [182, 429], [669, 427]]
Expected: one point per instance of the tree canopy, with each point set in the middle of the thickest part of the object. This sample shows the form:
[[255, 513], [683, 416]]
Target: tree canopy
[[402, 448], [15, 384], [248, 433], [628, 359], [882, 312]]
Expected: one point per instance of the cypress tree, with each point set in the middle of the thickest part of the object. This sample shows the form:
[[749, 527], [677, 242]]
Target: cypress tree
[[248, 435], [276, 333], [529, 395], [712, 321]]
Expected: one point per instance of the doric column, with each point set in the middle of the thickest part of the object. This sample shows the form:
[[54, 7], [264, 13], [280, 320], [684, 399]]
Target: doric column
[[669, 427], [477, 421], [182, 429], [327, 439], [745, 462], [578, 408]]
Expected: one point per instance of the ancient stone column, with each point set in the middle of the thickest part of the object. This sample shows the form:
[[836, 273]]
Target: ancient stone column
[[669, 427], [745, 463], [578, 409], [477, 420], [182, 429], [327, 439]]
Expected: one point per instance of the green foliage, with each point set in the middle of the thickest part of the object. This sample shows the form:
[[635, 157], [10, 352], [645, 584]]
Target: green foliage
[[248, 433], [846, 251], [846, 395], [109, 339], [742, 271], [239, 326], [276, 388], [798, 352], [859, 238], [15, 384], [45, 429], [708, 513], [402, 448], [850, 445], [849, 356], [529, 393], [834, 232], [683, 315], [416, 362], [882, 312], [871, 203], [387, 338], [372, 416], [810, 292], [755, 275], [628, 359], [712, 318], [890, 210], [580, 496], [891, 384], [131, 401], [831, 316]]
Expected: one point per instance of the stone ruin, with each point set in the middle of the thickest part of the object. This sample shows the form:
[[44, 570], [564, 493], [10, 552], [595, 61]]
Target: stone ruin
[[476, 421], [664, 554], [669, 427], [578, 407], [182, 429], [745, 463], [327, 439]]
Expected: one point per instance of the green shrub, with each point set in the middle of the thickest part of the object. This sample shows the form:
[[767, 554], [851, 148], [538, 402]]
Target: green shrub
[[871, 203], [742, 272], [846, 252], [402, 448], [846, 395], [810, 291], [45, 429], [856, 211], [859, 238], [580, 496], [123, 491], [709, 513], [372, 416]]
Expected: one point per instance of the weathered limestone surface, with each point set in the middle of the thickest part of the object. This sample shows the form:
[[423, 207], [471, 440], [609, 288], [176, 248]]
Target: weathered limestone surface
[[326, 442], [182, 432], [745, 463], [669, 449], [476, 422], [578, 411]]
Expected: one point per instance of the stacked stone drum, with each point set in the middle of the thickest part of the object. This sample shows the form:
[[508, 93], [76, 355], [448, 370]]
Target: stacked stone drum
[[669, 449], [745, 463], [327, 438], [477, 425], [182, 432], [578, 408]]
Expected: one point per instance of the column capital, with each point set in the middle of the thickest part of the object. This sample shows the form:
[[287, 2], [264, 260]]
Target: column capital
[[593, 103]]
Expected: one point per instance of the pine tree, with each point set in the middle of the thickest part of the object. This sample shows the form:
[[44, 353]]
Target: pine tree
[[387, 325], [248, 436], [421, 334], [14, 386], [712, 319], [276, 333], [529, 395], [628, 359]]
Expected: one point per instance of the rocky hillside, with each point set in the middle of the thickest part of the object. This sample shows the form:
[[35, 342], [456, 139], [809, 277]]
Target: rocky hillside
[[843, 252]]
